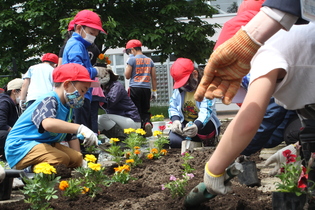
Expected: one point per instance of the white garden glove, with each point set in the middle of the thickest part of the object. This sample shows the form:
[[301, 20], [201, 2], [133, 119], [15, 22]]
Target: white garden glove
[[2, 174], [177, 127], [101, 71], [22, 104], [89, 136], [215, 183], [153, 95], [190, 130], [279, 159]]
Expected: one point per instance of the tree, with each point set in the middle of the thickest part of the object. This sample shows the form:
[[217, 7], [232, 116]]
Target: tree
[[31, 28]]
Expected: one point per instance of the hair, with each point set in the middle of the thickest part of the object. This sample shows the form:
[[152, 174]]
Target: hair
[[50, 63], [138, 49], [128, 51], [112, 79], [9, 92]]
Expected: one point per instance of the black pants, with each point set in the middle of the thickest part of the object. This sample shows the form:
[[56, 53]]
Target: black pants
[[141, 98], [3, 137]]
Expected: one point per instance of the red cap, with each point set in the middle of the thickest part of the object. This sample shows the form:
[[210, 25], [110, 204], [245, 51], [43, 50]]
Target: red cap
[[133, 43], [181, 70], [50, 57], [89, 19], [73, 72], [71, 25], [1, 90], [250, 5]]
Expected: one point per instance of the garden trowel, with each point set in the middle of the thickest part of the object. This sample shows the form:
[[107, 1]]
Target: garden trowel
[[199, 194]]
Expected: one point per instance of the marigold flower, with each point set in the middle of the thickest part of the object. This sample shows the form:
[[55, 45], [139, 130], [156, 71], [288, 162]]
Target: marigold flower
[[101, 56], [140, 131], [137, 152], [157, 133], [163, 152], [94, 166], [44, 168], [90, 158], [136, 147], [112, 140], [121, 169], [130, 161], [85, 190], [126, 168], [63, 185], [129, 130], [127, 154], [154, 151], [150, 156]]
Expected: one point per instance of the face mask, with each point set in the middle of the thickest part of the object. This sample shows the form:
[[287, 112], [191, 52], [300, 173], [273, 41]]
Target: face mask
[[105, 79], [191, 85], [74, 100], [88, 37], [17, 99]]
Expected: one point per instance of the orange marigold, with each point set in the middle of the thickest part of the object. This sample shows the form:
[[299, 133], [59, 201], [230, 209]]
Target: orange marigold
[[63, 185], [101, 56], [85, 190], [154, 151], [150, 156], [136, 147], [137, 152], [163, 151]]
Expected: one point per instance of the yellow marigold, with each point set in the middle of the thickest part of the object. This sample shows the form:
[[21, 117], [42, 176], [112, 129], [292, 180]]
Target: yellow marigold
[[90, 158], [101, 56], [140, 131], [63, 185], [44, 168], [136, 147], [112, 140], [129, 130], [126, 168], [163, 151], [154, 151], [94, 166], [130, 161], [150, 156], [122, 169], [157, 133], [137, 152], [85, 190]]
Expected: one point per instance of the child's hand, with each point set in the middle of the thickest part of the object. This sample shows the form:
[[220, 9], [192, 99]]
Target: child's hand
[[177, 127], [190, 130], [215, 183], [89, 136]]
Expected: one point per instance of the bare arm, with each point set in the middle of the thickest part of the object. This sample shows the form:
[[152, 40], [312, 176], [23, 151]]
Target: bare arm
[[153, 78], [59, 61], [128, 72], [26, 84], [244, 126], [59, 126]]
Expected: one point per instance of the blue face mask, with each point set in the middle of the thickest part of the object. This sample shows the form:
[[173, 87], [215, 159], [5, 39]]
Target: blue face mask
[[74, 100]]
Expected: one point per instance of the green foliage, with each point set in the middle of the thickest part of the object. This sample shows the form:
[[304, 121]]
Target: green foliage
[[32, 28], [186, 157], [40, 190], [73, 187], [116, 152]]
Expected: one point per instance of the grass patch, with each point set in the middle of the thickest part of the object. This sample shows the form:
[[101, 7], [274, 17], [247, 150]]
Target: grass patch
[[159, 110]]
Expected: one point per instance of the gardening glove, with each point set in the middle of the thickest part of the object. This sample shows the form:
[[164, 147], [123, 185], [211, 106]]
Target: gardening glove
[[226, 67], [279, 159], [153, 95], [101, 71], [177, 127], [22, 105], [190, 130], [89, 136], [215, 183], [2, 174]]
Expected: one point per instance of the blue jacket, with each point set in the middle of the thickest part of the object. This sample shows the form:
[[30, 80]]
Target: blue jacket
[[76, 52], [206, 108]]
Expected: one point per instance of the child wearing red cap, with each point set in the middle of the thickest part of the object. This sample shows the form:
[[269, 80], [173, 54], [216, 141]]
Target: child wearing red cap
[[184, 108], [142, 74], [38, 80], [87, 25], [36, 135]]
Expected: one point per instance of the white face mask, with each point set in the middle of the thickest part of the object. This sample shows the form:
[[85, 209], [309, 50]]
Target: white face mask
[[17, 99], [88, 37]]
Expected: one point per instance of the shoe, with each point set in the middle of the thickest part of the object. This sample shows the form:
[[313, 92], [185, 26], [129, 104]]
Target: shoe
[[148, 129]]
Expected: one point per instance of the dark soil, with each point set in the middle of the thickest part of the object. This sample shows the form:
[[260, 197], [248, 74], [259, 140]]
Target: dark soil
[[145, 192]]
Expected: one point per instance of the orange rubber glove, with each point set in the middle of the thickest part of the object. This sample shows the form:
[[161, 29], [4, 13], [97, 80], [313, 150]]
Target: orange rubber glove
[[226, 67]]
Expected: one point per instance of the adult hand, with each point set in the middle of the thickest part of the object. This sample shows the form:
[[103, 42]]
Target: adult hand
[[226, 67], [190, 130], [153, 95], [101, 71], [215, 183], [89, 136], [177, 127], [22, 104], [279, 158]]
